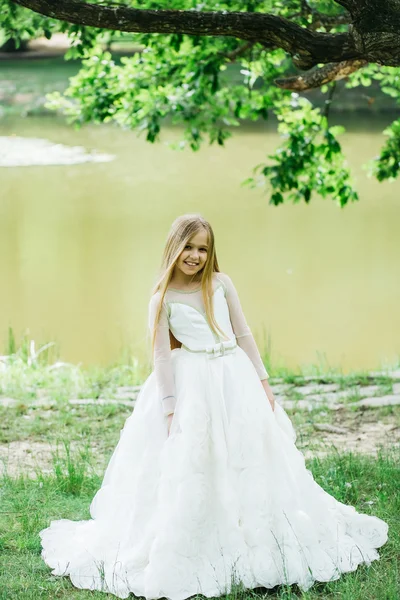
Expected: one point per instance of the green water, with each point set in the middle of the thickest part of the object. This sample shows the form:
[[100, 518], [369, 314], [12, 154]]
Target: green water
[[80, 245]]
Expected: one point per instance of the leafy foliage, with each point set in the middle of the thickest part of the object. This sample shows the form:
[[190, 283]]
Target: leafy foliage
[[208, 85], [173, 81], [21, 24], [387, 164], [309, 160]]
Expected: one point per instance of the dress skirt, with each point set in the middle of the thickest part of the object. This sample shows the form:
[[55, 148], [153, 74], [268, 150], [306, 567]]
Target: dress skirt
[[226, 498]]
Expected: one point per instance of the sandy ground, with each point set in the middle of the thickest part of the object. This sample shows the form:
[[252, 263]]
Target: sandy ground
[[365, 439], [29, 457]]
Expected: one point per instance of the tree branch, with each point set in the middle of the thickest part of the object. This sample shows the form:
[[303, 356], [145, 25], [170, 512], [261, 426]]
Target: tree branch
[[373, 34], [239, 51], [317, 77], [307, 47]]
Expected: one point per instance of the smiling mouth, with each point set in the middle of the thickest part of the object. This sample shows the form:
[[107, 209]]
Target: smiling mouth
[[191, 264]]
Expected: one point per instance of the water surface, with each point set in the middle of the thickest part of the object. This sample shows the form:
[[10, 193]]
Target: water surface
[[80, 246]]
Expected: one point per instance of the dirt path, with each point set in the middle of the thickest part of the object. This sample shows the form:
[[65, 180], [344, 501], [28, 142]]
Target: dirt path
[[364, 437]]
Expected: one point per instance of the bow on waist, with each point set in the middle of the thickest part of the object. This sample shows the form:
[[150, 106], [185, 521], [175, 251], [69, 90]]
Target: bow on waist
[[216, 350]]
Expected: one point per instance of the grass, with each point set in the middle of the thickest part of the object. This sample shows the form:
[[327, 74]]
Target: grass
[[97, 426], [87, 422], [40, 385], [28, 505], [89, 426], [29, 370]]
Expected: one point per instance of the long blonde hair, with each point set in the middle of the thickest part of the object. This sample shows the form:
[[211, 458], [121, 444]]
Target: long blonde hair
[[182, 230]]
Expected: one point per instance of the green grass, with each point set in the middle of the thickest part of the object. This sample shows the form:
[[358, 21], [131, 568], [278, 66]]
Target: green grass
[[28, 505], [93, 426], [36, 423]]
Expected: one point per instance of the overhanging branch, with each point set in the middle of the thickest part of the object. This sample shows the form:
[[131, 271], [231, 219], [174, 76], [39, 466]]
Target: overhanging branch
[[307, 47], [239, 51], [317, 77], [373, 34]]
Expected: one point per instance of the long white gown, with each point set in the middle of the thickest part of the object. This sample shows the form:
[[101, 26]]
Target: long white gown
[[226, 497]]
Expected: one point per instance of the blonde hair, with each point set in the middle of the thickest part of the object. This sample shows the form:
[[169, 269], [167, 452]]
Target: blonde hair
[[182, 230]]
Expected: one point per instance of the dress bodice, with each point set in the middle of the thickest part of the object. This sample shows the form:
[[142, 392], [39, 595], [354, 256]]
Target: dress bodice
[[188, 320], [183, 313]]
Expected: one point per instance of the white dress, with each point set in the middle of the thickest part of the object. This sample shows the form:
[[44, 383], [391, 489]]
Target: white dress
[[226, 497]]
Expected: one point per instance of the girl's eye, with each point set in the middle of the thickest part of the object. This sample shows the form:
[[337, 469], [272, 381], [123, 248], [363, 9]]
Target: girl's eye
[[201, 249]]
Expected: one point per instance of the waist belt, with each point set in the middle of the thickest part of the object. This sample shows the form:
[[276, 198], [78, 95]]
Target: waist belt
[[216, 350]]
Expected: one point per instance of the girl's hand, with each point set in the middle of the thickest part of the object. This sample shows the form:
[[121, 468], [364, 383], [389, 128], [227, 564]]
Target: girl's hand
[[269, 393], [169, 421]]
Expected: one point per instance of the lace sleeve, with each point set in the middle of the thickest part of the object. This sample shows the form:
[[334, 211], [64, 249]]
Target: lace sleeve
[[240, 328], [162, 356]]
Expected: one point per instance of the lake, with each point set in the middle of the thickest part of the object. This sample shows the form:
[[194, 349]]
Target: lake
[[81, 244]]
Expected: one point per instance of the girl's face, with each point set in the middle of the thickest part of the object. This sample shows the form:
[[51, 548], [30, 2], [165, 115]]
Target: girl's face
[[194, 256]]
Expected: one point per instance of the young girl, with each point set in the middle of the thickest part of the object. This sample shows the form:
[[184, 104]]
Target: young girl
[[206, 487]]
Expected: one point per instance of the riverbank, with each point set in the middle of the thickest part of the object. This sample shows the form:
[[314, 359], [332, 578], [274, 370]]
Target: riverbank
[[45, 402]]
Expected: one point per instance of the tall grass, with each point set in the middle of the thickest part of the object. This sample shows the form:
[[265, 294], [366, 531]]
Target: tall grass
[[27, 368], [72, 469]]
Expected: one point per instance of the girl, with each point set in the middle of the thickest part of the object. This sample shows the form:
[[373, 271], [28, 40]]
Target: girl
[[206, 487]]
